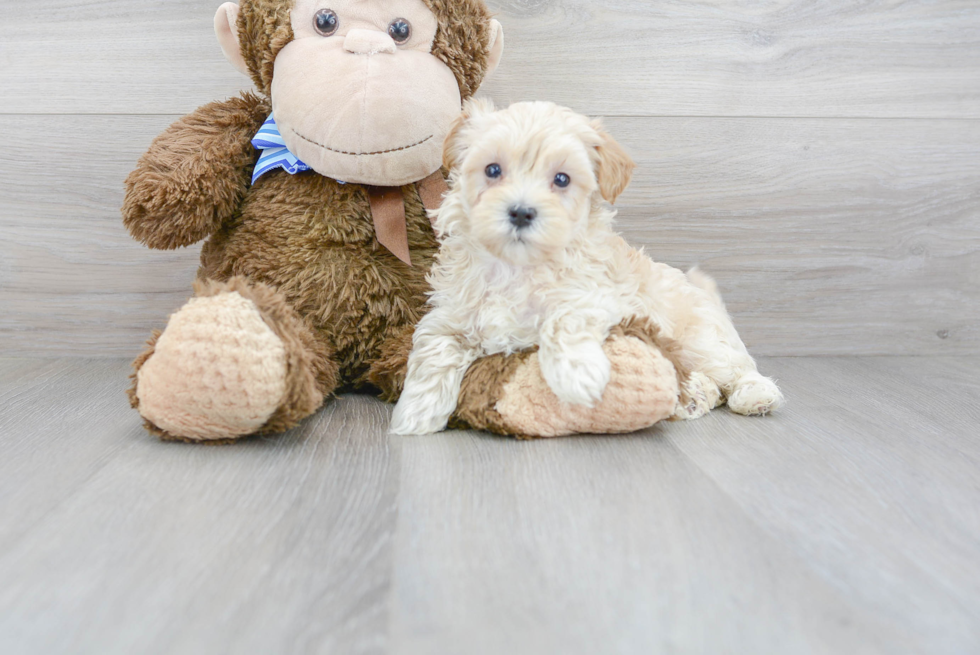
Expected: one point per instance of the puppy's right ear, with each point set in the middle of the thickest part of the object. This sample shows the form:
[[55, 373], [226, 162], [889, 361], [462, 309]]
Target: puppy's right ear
[[457, 141], [226, 29], [615, 167]]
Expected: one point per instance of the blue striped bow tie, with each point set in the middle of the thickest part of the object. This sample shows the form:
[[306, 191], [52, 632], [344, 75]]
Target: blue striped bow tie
[[275, 154]]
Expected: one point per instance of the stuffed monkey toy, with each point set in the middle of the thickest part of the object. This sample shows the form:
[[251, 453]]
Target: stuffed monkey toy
[[312, 195]]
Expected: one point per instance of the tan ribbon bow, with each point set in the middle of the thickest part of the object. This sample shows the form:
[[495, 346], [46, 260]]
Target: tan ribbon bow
[[388, 211]]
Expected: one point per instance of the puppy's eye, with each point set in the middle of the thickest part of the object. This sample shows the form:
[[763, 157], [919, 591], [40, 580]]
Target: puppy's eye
[[400, 31], [494, 171], [562, 181], [326, 22]]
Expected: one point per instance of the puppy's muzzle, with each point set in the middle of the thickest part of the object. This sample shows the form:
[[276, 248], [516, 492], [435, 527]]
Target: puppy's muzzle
[[521, 216]]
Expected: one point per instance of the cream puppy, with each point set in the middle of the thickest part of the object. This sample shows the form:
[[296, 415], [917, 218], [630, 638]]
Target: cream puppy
[[529, 258]]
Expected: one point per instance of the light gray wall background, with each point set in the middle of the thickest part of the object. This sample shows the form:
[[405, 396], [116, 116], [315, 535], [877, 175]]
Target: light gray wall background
[[821, 159]]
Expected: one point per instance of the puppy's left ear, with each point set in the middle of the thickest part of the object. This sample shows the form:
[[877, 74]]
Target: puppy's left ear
[[615, 167], [454, 148]]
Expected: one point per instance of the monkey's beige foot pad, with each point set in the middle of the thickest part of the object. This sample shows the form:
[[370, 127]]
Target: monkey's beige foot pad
[[642, 391], [217, 372]]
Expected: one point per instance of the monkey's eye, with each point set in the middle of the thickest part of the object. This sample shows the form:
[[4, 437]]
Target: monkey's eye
[[494, 171], [400, 31], [562, 181], [326, 22]]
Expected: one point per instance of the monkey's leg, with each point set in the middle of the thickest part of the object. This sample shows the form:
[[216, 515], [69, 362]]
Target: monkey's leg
[[508, 394], [236, 360]]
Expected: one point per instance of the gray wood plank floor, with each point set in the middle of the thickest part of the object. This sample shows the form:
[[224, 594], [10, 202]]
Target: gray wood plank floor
[[850, 522]]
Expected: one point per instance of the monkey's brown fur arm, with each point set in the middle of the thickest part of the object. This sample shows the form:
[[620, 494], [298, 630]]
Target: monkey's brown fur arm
[[195, 174]]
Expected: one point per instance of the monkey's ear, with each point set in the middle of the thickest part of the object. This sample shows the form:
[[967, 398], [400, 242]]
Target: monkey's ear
[[226, 28], [496, 46], [456, 142], [615, 168]]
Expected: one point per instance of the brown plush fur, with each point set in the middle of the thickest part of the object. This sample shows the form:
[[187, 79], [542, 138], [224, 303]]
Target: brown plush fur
[[195, 174], [388, 371], [462, 41], [264, 29], [312, 239]]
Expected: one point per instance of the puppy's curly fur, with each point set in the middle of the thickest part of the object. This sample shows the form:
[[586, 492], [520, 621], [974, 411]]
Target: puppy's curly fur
[[529, 258]]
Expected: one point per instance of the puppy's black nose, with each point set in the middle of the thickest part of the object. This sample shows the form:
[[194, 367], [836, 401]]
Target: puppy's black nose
[[521, 216]]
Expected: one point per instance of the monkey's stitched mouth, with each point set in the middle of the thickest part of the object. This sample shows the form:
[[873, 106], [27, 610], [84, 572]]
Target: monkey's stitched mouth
[[363, 154]]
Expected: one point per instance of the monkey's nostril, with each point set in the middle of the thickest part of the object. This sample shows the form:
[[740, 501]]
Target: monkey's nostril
[[521, 216], [369, 42]]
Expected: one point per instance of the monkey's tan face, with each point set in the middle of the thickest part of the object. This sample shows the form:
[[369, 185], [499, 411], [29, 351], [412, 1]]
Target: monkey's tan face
[[357, 94]]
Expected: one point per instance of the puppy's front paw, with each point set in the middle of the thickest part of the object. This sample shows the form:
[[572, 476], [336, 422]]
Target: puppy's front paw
[[421, 413], [417, 417], [580, 376], [755, 395]]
